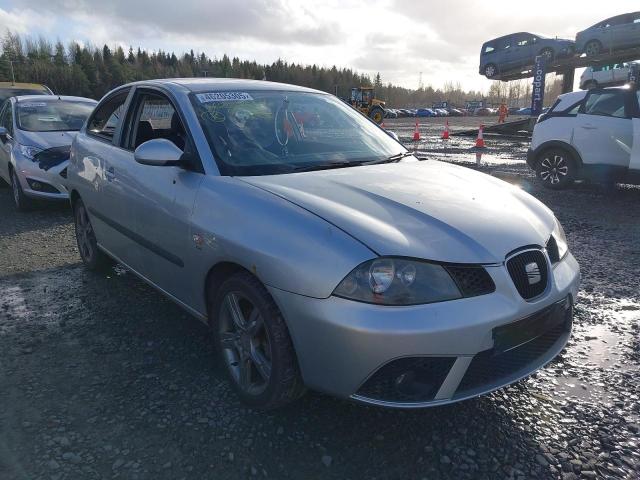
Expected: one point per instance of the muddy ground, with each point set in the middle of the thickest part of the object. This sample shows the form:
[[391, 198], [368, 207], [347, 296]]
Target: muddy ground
[[102, 377]]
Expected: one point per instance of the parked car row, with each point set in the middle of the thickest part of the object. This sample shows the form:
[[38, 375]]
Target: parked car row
[[519, 50], [424, 112], [291, 271]]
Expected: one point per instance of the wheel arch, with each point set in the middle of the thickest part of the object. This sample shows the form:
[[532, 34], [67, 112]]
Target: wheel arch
[[558, 144], [74, 196]]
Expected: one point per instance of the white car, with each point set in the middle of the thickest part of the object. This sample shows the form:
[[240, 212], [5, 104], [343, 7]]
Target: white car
[[604, 76], [591, 134]]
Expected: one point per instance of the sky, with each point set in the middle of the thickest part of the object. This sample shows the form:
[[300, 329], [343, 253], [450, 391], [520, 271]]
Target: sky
[[398, 38]]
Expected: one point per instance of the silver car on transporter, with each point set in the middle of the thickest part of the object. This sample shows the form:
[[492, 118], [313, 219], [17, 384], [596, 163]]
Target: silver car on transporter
[[36, 132], [318, 249]]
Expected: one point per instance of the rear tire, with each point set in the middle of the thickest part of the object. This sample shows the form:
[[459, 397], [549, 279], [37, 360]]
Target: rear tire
[[592, 48], [20, 200], [92, 257], [253, 343], [556, 168], [490, 70]]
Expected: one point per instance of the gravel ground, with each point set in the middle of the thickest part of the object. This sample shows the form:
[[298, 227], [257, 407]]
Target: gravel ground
[[101, 377]]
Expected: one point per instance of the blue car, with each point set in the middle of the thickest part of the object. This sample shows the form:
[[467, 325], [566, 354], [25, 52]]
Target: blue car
[[519, 50], [615, 33], [425, 112]]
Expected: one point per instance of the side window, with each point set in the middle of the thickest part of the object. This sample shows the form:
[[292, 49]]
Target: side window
[[155, 117], [107, 117], [489, 49], [610, 104]]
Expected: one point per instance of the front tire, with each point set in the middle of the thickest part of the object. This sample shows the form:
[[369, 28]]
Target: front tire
[[548, 54], [377, 115], [556, 169], [253, 342], [20, 200], [92, 257]]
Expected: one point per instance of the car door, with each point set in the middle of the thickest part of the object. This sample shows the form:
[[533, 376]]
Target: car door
[[603, 132], [162, 197], [6, 121], [507, 61], [109, 190], [522, 53], [625, 34]]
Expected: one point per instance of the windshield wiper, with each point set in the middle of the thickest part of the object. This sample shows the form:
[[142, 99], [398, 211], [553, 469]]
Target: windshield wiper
[[392, 159], [326, 166]]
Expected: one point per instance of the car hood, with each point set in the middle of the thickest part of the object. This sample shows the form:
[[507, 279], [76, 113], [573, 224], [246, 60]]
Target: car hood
[[46, 140], [429, 210]]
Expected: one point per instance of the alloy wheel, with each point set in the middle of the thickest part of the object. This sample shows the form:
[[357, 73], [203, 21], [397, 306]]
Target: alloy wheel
[[554, 169], [84, 234], [490, 71], [245, 343]]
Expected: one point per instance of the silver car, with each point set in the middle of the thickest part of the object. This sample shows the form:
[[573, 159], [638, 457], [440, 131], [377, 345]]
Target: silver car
[[615, 33], [319, 251], [36, 132]]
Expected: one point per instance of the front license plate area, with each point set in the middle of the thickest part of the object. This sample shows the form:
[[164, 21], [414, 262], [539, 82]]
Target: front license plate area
[[512, 335]]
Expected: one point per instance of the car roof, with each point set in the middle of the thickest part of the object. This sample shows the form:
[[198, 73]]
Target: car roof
[[513, 35], [206, 84], [50, 98]]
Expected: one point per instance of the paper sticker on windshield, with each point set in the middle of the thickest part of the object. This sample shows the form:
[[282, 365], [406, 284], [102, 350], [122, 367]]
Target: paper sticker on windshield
[[223, 97], [32, 105]]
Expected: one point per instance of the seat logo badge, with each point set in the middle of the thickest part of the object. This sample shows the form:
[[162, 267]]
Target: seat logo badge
[[533, 273]]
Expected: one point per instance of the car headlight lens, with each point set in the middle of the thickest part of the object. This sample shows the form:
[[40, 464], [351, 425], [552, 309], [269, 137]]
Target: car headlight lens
[[29, 152], [561, 240], [398, 281]]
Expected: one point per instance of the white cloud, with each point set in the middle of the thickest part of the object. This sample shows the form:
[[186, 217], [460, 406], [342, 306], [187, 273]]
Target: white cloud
[[398, 38]]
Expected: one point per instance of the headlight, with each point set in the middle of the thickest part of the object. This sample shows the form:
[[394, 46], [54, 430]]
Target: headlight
[[397, 281], [29, 152], [561, 240]]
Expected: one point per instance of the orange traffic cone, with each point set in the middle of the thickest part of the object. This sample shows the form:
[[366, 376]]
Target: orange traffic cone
[[445, 134], [480, 139], [416, 133]]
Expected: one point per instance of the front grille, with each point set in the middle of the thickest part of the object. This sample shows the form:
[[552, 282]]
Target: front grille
[[552, 250], [52, 156], [63, 173], [407, 380], [529, 273], [472, 281], [495, 367]]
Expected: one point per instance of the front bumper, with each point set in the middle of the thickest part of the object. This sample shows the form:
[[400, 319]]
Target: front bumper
[[342, 344], [51, 182]]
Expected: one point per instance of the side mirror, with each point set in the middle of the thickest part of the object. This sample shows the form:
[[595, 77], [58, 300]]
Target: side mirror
[[393, 135], [158, 152], [3, 134]]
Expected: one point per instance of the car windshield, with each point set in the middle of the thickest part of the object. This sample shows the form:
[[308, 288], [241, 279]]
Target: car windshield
[[52, 116], [272, 132]]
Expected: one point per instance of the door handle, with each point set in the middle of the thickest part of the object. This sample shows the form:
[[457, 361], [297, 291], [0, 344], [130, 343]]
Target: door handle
[[588, 126], [110, 173]]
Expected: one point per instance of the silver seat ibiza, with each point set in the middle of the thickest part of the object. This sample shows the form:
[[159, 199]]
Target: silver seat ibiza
[[320, 252], [36, 132]]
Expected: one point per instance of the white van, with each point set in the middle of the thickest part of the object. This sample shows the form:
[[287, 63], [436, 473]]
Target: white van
[[592, 134], [604, 76]]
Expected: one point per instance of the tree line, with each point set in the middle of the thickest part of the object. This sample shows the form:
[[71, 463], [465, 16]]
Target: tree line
[[90, 71]]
